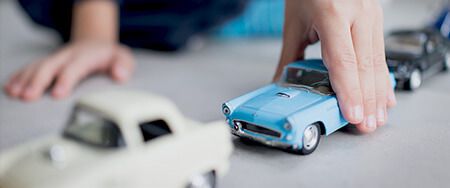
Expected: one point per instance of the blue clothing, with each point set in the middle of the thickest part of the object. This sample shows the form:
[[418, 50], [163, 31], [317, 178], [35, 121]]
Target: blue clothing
[[262, 18], [164, 25]]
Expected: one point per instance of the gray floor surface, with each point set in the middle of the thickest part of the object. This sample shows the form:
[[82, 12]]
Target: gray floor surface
[[413, 150]]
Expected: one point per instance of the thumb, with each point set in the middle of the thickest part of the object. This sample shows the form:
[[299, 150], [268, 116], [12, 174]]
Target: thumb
[[296, 38]]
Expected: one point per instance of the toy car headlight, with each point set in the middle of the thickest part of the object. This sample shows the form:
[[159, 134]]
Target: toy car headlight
[[287, 126], [226, 110]]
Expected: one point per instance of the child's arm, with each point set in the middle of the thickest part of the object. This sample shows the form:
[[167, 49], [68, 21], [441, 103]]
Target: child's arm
[[95, 20], [351, 35], [93, 48]]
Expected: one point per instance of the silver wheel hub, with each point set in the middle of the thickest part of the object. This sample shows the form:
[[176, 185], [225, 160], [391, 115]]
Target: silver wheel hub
[[416, 79], [310, 137]]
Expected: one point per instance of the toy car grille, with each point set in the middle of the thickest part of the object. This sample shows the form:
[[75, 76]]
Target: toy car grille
[[259, 129]]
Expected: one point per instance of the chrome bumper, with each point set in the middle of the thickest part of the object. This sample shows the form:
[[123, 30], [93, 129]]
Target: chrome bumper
[[272, 143]]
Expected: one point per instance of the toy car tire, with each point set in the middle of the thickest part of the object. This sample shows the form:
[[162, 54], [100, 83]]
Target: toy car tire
[[203, 180], [447, 62], [414, 81], [311, 145]]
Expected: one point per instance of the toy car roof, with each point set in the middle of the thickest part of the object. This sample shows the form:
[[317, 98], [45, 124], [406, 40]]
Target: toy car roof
[[315, 64], [128, 105]]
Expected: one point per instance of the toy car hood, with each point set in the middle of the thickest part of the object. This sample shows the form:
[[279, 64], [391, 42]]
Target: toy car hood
[[282, 101], [49, 159]]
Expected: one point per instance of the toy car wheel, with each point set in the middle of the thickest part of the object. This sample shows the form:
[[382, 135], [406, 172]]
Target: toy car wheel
[[205, 180], [447, 61], [414, 81], [311, 138]]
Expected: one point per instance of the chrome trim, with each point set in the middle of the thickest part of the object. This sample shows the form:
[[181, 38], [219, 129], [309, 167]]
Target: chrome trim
[[263, 141], [240, 127]]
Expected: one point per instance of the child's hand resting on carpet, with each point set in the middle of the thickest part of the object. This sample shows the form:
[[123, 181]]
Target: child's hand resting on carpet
[[93, 48]]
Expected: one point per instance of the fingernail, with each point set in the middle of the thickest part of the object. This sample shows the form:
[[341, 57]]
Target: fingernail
[[358, 113], [380, 115], [371, 121]]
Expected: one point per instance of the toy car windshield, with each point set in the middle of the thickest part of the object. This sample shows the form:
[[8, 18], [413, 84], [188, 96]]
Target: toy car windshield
[[90, 128], [405, 43], [315, 81]]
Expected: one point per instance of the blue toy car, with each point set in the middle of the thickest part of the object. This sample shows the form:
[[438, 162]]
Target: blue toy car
[[291, 114]]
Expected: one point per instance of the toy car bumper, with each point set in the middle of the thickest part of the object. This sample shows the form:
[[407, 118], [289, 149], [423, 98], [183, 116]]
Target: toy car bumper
[[263, 139]]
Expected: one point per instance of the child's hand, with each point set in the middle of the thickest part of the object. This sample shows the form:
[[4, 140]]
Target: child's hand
[[351, 35], [93, 49], [67, 67]]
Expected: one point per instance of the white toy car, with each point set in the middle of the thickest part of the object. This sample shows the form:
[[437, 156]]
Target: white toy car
[[122, 139]]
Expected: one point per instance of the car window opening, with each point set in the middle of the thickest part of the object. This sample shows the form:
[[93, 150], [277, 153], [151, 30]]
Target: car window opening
[[312, 80], [88, 127], [154, 129]]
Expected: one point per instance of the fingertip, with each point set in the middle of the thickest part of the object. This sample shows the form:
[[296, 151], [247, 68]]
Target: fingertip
[[392, 101], [15, 90], [371, 122], [8, 91], [17, 83], [368, 125], [380, 124], [66, 81], [120, 73], [30, 94], [123, 65], [59, 92], [355, 115], [7, 88], [362, 128], [381, 116]]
